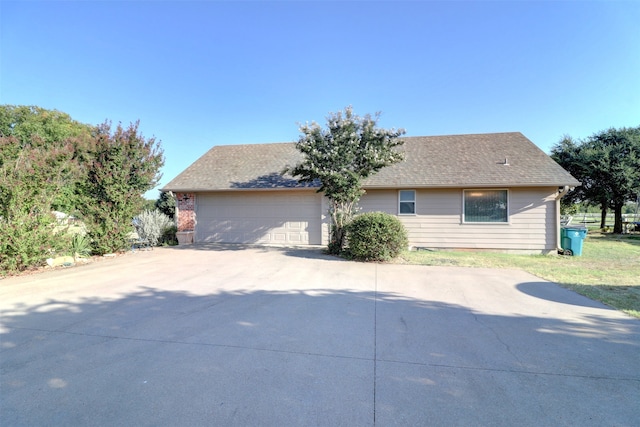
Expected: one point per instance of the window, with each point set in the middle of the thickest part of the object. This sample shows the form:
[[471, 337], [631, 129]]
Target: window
[[485, 206], [407, 202]]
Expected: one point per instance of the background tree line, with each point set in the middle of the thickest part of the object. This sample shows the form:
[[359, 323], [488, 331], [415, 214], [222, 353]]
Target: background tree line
[[608, 165], [50, 162]]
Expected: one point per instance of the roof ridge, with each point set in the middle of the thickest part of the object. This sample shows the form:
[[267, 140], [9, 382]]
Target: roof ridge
[[463, 135]]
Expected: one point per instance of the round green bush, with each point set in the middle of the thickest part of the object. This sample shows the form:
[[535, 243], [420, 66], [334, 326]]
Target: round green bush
[[376, 236]]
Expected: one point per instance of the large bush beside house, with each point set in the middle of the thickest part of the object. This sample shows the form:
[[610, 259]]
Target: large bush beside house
[[49, 162], [376, 236]]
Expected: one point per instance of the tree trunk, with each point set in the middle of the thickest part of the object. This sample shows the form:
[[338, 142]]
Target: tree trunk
[[603, 216], [617, 214], [336, 244]]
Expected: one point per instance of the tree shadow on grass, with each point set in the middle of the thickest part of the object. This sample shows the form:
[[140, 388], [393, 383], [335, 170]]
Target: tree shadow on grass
[[622, 297], [632, 239], [331, 356]]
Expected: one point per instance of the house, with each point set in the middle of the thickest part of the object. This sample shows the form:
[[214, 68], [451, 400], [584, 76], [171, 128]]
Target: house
[[494, 191]]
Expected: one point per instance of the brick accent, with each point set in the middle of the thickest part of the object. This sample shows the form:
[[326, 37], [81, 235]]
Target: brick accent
[[186, 203]]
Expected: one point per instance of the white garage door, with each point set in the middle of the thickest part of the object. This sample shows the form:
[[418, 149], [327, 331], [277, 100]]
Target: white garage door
[[267, 217]]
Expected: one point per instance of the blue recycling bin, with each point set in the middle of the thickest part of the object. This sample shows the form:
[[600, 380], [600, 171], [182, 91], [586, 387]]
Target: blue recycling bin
[[571, 240]]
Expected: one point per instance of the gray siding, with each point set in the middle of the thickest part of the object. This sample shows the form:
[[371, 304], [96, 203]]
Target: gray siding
[[438, 222]]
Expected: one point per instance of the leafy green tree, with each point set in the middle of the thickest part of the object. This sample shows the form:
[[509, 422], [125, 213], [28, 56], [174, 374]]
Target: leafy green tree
[[50, 162], [567, 153], [149, 205], [124, 166], [35, 127], [40, 152], [30, 179], [340, 158], [50, 126], [166, 204], [608, 165]]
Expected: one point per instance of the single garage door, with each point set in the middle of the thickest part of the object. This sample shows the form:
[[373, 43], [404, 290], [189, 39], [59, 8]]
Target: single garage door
[[289, 218]]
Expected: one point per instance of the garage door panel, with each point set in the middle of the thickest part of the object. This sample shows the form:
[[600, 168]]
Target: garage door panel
[[259, 218]]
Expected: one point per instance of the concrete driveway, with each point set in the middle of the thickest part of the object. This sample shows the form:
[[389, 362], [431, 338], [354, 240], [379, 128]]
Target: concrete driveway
[[229, 335]]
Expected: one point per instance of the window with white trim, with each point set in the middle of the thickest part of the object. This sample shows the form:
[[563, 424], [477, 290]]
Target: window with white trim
[[486, 206], [407, 202]]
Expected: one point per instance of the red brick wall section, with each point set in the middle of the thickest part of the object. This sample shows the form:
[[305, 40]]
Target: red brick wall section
[[186, 211]]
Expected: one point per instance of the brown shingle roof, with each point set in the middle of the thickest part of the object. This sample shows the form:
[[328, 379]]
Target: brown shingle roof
[[430, 161]]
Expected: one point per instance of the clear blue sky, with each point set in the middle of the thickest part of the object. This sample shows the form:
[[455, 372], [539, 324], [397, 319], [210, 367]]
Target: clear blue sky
[[205, 73]]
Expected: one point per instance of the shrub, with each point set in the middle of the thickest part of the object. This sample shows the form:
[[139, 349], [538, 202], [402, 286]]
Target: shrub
[[151, 225], [376, 236], [166, 204], [169, 236], [28, 239], [80, 246]]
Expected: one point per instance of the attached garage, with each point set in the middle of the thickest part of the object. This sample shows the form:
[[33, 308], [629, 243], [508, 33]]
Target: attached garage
[[243, 194], [266, 217]]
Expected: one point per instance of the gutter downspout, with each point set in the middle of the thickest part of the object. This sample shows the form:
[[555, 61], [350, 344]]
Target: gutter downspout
[[561, 193]]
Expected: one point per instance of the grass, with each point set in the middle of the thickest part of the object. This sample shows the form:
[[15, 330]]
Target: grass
[[608, 270]]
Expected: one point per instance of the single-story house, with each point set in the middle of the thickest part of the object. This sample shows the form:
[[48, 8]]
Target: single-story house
[[495, 191]]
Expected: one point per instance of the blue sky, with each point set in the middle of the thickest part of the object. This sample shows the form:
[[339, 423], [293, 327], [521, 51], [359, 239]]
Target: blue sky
[[205, 73]]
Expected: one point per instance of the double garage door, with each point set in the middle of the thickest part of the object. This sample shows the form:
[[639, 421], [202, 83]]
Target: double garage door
[[289, 218]]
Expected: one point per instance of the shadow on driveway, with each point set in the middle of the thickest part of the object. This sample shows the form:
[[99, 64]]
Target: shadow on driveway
[[311, 252], [310, 357], [552, 292]]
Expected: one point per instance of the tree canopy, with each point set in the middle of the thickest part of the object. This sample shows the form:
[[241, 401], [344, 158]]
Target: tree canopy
[[32, 125], [166, 204], [340, 157], [123, 167], [608, 165], [38, 134]]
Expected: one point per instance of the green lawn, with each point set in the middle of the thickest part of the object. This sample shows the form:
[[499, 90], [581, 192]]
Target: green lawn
[[607, 271]]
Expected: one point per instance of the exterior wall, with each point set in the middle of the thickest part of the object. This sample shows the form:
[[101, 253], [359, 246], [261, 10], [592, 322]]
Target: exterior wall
[[186, 211], [438, 222]]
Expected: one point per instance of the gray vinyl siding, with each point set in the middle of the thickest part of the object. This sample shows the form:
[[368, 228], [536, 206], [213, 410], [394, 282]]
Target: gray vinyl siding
[[438, 222]]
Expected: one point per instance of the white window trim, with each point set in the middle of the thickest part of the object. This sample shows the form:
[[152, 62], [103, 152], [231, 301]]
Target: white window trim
[[415, 203], [464, 217]]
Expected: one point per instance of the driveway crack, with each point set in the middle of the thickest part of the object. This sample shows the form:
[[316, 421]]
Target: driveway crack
[[498, 338]]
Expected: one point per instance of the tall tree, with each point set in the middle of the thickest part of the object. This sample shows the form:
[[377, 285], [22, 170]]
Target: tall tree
[[166, 204], [340, 158], [124, 166], [608, 165], [38, 131], [50, 126], [570, 155]]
